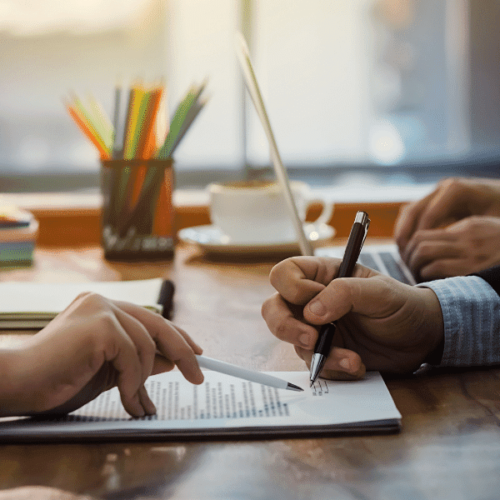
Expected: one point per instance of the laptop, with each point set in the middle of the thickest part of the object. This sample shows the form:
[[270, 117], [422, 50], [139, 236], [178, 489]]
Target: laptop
[[382, 258]]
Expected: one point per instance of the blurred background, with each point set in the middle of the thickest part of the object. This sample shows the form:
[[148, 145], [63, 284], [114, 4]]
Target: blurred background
[[393, 91]]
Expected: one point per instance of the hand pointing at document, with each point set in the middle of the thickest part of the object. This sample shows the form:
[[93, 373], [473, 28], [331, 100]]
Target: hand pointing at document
[[93, 345]]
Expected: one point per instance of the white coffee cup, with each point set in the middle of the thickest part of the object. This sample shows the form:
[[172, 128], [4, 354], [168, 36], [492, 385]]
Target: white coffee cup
[[256, 211]]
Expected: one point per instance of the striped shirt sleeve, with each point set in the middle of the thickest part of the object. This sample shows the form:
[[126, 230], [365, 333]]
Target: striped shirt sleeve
[[471, 314]]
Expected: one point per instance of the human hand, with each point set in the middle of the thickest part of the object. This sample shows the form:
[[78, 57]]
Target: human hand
[[452, 200], [462, 248], [382, 324], [93, 345]]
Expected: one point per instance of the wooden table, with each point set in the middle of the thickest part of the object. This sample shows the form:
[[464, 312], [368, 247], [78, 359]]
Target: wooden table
[[449, 446]]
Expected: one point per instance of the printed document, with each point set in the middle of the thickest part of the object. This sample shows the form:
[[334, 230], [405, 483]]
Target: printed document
[[225, 406]]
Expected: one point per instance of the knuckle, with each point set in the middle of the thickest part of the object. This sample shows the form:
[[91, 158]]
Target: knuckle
[[107, 321], [406, 210], [93, 301], [282, 330], [148, 347], [473, 225], [452, 184], [276, 272], [294, 295], [82, 295], [105, 335], [418, 237], [266, 308], [472, 221], [423, 251]]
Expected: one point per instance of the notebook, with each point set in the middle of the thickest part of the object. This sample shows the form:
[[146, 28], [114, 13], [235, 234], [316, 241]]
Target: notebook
[[384, 258], [223, 407], [26, 305]]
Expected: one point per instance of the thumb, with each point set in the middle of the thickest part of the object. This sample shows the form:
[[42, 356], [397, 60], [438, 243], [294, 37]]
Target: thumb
[[376, 297]]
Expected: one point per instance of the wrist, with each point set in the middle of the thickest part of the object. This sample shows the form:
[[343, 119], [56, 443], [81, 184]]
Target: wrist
[[434, 328]]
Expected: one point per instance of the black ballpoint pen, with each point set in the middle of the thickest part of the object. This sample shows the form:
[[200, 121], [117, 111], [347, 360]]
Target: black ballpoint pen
[[352, 250]]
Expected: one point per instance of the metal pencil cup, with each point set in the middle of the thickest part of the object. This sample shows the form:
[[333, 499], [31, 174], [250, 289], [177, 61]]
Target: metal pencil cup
[[137, 221]]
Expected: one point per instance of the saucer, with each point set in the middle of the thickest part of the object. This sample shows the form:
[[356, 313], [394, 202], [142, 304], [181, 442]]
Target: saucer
[[212, 240]]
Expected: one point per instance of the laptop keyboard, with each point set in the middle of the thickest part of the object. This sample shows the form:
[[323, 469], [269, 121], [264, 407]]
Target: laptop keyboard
[[367, 260], [384, 259], [385, 263], [393, 267]]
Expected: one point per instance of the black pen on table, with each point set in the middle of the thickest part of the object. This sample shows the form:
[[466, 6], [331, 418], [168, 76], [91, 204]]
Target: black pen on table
[[352, 250]]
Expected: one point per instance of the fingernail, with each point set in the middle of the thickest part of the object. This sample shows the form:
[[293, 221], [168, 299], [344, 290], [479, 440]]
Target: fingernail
[[317, 308], [304, 339], [345, 363]]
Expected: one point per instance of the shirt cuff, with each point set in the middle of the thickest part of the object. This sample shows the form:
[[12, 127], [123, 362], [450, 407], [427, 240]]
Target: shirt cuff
[[471, 316]]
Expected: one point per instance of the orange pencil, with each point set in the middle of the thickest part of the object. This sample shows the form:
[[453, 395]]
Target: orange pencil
[[89, 131], [163, 223]]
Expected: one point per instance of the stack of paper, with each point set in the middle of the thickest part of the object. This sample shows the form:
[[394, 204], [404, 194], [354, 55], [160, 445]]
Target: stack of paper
[[33, 305], [224, 407], [18, 231]]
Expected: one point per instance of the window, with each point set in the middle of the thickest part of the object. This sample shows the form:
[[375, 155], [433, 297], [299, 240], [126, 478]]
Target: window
[[380, 86]]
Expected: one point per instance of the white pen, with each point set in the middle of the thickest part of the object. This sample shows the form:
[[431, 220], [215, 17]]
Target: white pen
[[253, 376]]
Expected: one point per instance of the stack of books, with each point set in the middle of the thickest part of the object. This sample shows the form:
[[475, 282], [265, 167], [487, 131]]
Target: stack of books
[[18, 232]]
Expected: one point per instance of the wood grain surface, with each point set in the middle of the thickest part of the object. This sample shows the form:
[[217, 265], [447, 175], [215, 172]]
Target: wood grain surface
[[449, 446]]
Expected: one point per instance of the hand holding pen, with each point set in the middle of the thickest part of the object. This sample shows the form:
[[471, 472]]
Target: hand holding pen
[[352, 251], [382, 324]]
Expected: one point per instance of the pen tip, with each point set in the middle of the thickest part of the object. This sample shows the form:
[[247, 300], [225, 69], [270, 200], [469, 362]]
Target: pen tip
[[294, 387]]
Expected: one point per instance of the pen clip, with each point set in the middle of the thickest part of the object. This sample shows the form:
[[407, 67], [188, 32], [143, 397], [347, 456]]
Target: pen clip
[[364, 220], [366, 226]]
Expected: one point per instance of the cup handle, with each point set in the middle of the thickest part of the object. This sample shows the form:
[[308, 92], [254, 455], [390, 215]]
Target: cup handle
[[326, 213]]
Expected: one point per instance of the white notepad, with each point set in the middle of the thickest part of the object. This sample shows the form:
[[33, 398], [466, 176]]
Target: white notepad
[[33, 305], [224, 407]]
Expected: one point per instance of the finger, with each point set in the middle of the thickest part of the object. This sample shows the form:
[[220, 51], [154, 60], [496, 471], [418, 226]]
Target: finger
[[375, 297], [430, 251], [120, 351], [445, 205], [148, 405], [299, 279], [162, 365], [405, 224], [144, 343], [196, 348], [444, 268], [341, 364], [408, 220], [177, 349], [283, 325], [426, 235], [169, 340]]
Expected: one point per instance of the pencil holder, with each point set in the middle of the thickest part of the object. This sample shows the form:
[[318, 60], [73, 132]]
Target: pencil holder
[[137, 221]]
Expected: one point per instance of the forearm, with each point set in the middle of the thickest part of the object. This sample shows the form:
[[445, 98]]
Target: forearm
[[10, 382], [471, 314]]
